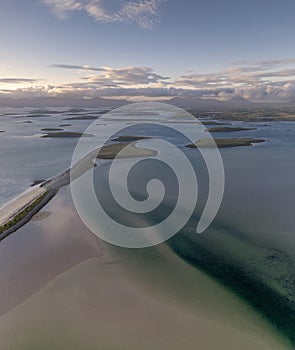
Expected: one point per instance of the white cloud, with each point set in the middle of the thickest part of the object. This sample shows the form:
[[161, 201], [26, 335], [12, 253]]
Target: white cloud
[[124, 76], [142, 12], [143, 82], [62, 7], [266, 64], [18, 80], [253, 75]]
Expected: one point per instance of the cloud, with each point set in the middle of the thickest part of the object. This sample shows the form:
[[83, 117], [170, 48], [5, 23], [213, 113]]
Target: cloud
[[280, 73], [76, 67], [274, 92], [18, 80], [265, 64], [83, 91], [125, 76], [142, 12], [139, 82], [257, 74]]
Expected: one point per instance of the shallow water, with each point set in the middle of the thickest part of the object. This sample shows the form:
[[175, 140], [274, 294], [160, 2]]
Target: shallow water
[[251, 241], [70, 290]]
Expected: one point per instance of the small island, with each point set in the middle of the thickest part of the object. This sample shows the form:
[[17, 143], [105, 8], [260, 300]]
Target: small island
[[85, 117], [213, 122], [45, 111], [228, 129], [66, 134], [76, 110], [129, 150], [51, 129], [130, 138], [34, 116], [224, 142]]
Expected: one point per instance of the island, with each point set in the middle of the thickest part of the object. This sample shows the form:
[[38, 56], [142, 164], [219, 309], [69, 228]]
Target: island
[[127, 149], [51, 129], [66, 134], [213, 122], [228, 129], [130, 138], [224, 142], [85, 117]]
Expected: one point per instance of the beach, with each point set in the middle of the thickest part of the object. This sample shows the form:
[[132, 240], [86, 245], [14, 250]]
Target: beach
[[15, 206], [78, 292]]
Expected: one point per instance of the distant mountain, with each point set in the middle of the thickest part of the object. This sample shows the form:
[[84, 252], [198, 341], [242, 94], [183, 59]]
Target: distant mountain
[[212, 104], [193, 103], [240, 101], [60, 102]]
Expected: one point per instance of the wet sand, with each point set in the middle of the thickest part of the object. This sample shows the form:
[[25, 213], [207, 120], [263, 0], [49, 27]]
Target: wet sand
[[69, 290]]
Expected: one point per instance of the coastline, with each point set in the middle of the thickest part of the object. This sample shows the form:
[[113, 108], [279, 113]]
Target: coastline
[[214, 265], [23, 210], [15, 205], [33, 200]]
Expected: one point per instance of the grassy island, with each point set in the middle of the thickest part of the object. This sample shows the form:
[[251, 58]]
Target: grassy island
[[224, 142], [128, 149], [51, 129], [228, 129], [85, 117], [66, 134], [130, 138]]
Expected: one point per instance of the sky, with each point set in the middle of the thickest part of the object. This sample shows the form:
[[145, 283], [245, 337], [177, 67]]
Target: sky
[[148, 49]]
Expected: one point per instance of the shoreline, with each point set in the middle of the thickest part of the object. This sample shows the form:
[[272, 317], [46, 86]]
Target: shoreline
[[25, 213], [17, 212], [11, 208]]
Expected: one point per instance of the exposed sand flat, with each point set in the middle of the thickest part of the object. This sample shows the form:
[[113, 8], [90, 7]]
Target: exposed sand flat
[[18, 204], [100, 305], [120, 299]]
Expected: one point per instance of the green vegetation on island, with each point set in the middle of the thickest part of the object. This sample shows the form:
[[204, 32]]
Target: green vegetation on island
[[224, 142], [229, 129], [124, 150], [66, 134], [85, 117], [130, 138], [262, 114], [213, 122], [51, 129]]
